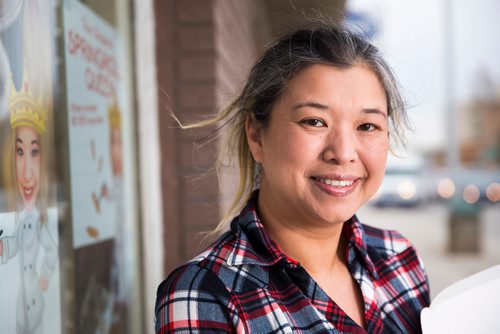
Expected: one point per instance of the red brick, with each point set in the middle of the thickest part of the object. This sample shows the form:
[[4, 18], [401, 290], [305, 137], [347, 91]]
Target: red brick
[[201, 185], [197, 38], [197, 68], [194, 11], [200, 95], [198, 156], [204, 213]]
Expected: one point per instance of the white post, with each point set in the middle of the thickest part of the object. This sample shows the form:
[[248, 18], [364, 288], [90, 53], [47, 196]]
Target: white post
[[452, 157], [149, 155]]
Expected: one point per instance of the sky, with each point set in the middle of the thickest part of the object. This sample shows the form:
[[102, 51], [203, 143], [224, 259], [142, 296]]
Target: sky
[[412, 36]]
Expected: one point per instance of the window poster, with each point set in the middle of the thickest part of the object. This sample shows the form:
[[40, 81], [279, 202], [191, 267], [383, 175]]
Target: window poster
[[93, 51], [30, 298]]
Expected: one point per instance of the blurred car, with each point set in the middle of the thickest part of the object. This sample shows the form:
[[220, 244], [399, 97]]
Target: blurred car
[[404, 183]]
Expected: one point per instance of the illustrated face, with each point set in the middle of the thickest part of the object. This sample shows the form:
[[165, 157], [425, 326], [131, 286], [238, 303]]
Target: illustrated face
[[324, 151], [28, 157]]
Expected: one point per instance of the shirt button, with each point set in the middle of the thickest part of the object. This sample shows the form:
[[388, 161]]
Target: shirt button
[[29, 226], [1, 232], [34, 302]]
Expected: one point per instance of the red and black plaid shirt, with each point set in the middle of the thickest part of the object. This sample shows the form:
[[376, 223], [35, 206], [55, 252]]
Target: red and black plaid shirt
[[245, 284]]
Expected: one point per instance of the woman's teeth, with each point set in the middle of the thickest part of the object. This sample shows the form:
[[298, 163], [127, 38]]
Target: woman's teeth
[[337, 183]]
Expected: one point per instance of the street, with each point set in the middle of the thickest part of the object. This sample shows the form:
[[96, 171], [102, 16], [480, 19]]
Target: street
[[427, 229]]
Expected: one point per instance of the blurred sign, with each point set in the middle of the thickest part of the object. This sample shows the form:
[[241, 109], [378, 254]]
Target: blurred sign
[[92, 47]]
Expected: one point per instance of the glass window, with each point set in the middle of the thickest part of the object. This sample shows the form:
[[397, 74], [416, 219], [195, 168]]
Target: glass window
[[68, 218]]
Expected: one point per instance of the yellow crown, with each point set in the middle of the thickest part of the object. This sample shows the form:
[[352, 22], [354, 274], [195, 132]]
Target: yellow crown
[[114, 116], [24, 109]]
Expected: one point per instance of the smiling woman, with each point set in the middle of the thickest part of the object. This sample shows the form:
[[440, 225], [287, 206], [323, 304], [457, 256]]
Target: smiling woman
[[312, 130], [323, 154]]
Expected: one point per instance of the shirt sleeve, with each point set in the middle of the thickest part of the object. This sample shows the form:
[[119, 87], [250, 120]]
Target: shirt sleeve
[[194, 300]]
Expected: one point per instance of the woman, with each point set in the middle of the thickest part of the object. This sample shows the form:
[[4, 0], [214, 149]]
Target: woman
[[312, 127]]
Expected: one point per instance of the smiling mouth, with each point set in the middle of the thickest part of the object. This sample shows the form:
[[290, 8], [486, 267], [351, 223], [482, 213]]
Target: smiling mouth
[[336, 187], [333, 182], [28, 192]]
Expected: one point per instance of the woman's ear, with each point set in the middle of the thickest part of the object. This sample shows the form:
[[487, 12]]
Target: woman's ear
[[254, 138]]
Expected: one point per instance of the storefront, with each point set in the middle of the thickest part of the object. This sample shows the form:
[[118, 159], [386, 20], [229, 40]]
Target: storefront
[[69, 222]]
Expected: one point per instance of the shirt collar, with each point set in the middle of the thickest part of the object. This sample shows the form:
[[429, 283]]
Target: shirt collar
[[357, 246], [255, 246]]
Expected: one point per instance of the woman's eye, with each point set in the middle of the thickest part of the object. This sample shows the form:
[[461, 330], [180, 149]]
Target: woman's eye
[[19, 151], [368, 127], [313, 122], [35, 152]]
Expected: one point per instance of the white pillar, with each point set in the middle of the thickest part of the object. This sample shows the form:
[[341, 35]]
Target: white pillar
[[149, 155]]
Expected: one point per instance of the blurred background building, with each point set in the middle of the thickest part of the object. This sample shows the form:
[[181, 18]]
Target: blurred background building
[[130, 193]]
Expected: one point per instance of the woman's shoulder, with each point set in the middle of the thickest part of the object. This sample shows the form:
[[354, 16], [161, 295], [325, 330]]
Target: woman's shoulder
[[386, 243], [214, 270], [193, 278], [195, 294], [189, 277]]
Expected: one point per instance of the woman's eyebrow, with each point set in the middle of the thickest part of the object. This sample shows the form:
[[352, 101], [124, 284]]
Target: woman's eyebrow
[[315, 105], [320, 106], [374, 111]]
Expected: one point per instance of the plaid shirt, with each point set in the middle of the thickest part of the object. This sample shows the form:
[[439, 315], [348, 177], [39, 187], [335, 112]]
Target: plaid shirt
[[245, 284]]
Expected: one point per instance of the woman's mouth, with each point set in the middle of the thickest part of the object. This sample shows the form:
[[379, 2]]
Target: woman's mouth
[[28, 192], [338, 187], [335, 183]]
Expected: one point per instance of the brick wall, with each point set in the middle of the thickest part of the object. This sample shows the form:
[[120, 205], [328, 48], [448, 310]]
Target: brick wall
[[204, 49], [236, 36]]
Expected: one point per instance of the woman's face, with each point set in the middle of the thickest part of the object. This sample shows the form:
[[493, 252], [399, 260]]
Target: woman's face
[[324, 152], [28, 155]]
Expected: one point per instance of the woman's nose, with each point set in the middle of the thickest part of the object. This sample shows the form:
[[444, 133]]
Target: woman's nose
[[27, 165], [340, 147]]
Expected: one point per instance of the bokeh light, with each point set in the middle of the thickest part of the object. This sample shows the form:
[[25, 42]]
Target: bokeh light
[[407, 189], [493, 192], [471, 194], [446, 188]]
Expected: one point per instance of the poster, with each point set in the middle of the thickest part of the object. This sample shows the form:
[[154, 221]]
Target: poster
[[93, 51], [29, 256], [92, 48]]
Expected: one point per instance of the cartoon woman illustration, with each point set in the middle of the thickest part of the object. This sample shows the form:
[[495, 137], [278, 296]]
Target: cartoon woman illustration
[[28, 124]]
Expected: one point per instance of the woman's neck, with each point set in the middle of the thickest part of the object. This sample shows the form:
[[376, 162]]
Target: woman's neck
[[317, 249]]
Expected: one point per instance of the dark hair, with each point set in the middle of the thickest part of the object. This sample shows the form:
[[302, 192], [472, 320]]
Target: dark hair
[[335, 46], [317, 44]]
